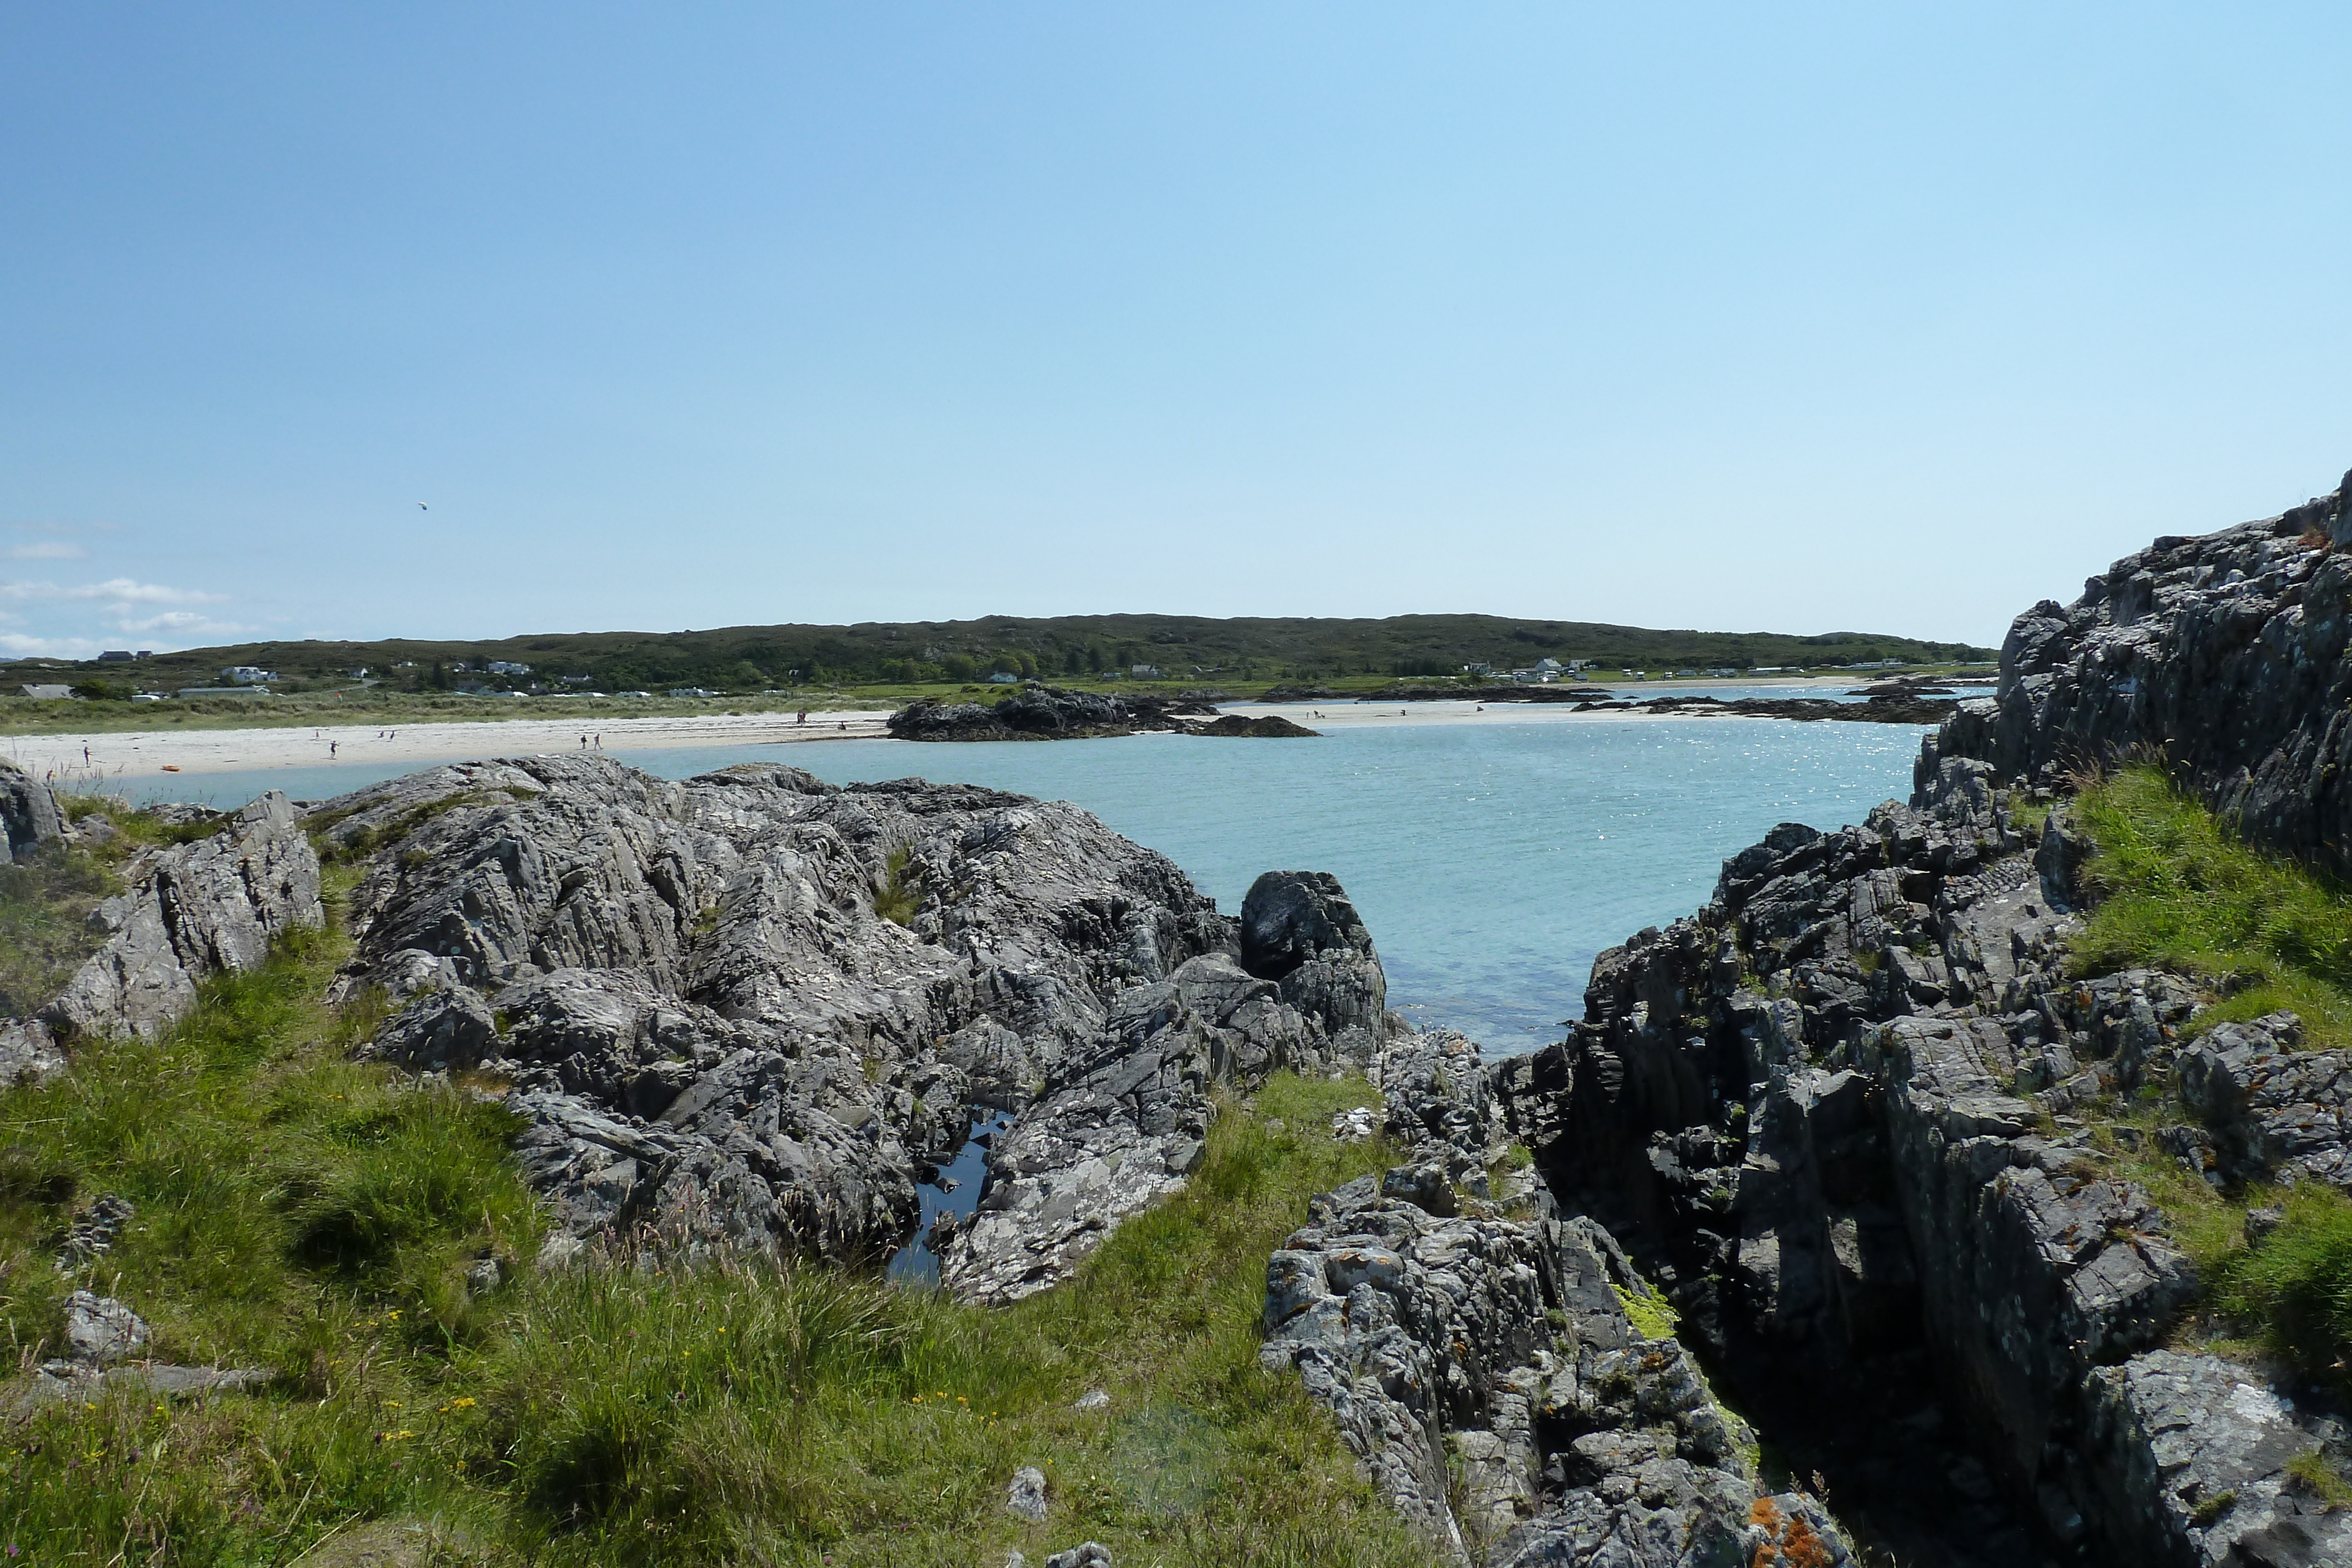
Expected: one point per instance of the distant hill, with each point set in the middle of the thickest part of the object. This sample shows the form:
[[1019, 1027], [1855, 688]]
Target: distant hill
[[738, 658]]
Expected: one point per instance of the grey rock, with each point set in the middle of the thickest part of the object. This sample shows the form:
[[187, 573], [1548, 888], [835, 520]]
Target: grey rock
[[2196, 1450], [2226, 650], [1300, 929], [2274, 1111], [62, 1381], [439, 1030], [1024, 1498], [29, 816], [717, 1038], [1482, 1365], [1821, 1102], [484, 1276], [1088, 1555], [101, 1330], [1043, 713], [1093, 1399], [189, 911], [93, 1231], [29, 1052]]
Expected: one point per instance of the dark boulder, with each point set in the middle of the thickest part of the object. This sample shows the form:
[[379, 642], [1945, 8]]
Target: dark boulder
[[1272, 727]]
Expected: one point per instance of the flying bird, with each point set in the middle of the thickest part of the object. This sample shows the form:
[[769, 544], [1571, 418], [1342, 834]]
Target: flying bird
[[422, 507]]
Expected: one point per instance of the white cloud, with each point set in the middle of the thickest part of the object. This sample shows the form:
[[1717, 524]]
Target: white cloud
[[184, 623], [23, 646], [48, 549], [119, 589]]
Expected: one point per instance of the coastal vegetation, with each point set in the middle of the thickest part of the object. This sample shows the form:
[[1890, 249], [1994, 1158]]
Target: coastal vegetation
[[2177, 889], [331, 1219], [886, 659]]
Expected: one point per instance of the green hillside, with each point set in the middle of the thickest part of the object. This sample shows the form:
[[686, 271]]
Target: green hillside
[[752, 658]]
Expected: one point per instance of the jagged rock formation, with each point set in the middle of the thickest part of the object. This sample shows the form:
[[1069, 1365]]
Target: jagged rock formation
[[755, 1008], [188, 911], [1478, 1354], [1044, 713], [29, 817], [1831, 1114], [2225, 650]]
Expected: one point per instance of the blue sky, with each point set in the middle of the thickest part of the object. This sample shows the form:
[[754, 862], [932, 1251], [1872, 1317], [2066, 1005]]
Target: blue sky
[[1793, 317]]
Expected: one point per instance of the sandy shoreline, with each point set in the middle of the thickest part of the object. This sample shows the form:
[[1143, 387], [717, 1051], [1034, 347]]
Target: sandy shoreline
[[140, 754], [155, 753]]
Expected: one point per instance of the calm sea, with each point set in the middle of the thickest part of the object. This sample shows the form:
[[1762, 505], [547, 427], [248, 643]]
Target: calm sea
[[1492, 862]]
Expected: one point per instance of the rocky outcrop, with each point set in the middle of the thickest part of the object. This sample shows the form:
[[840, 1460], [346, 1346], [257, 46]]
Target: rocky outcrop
[[1886, 707], [2226, 652], [1300, 929], [103, 1339], [2266, 1109], [1266, 726], [1125, 1124], [188, 911], [1478, 1357], [1836, 1116], [29, 816], [1044, 713], [2191, 1454], [754, 1009]]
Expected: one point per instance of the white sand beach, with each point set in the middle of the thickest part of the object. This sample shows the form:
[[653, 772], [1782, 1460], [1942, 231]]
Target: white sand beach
[[138, 754]]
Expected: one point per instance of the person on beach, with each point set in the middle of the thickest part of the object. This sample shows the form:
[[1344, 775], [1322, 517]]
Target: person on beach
[[333, 746]]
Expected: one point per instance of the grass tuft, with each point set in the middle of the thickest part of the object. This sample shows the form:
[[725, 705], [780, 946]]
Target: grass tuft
[[2178, 890], [300, 1210]]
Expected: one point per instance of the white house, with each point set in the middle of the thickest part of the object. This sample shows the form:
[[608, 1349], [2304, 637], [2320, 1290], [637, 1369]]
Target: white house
[[247, 675]]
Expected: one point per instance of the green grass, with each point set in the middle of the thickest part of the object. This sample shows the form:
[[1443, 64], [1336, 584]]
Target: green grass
[[45, 901], [300, 1210], [900, 896], [2179, 890]]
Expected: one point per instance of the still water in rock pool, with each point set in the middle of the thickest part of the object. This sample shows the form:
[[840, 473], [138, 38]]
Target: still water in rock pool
[[1492, 862]]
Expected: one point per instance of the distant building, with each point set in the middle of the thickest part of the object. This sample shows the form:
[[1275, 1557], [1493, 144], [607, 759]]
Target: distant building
[[1003, 678], [1548, 667], [1144, 671], [247, 675], [115, 656], [1686, 674], [506, 667], [45, 693], [1478, 669]]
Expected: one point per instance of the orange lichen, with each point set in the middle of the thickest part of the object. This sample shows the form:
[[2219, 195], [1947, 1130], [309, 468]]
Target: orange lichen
[[1791, 1541]]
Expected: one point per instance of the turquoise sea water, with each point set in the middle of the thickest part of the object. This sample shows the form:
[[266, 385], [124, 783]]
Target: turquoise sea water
[[1491, 861]]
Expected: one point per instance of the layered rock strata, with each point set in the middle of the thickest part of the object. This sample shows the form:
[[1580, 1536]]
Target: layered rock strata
[[756, 1009], [1837, 1115], [2225, 651], [29, 816], [1478, 1353], [187, 910]]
